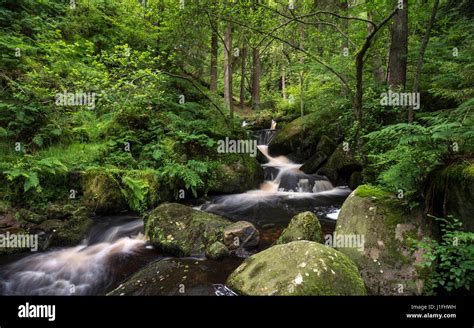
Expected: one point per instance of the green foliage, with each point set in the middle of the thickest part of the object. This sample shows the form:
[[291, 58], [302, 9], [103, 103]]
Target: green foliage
[[451, 260], [403, 155]]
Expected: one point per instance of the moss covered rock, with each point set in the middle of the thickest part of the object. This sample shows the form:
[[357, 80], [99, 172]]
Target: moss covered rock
[[238, 173], [102, 192], [183, 231], [324, 149], [70, 230], [453, 193], [297, 268], [217, 251], [339, 167], [387, 262], [303, 226], [299, 137]]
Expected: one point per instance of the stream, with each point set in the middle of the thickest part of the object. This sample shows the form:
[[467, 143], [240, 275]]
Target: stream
[[116, 248]]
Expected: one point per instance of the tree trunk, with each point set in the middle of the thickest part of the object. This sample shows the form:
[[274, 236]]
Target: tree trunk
[[397, 67], [283, 83], [302, 37], [214, 54], [228, 69], [378, 69], [419, 65], [243, 53], [256, 78]]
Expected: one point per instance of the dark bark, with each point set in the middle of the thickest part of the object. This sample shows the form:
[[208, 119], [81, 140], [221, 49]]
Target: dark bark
[[214, 54], [243, 55], [397, 64], [421, 56], [256, 78], [228, 96]]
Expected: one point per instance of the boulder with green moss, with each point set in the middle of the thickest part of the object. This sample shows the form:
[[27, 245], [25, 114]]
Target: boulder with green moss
[[387, 261], [183, 231], [324, 149], [340, 166], [453, 193], [299, 137], [102, 191], [238, 173], [303, 226], [297, 268], [217, 251]]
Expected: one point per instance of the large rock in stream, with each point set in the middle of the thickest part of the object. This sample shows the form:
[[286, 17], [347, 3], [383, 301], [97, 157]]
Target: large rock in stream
[[183, 231], [297, 268], [387, 260]]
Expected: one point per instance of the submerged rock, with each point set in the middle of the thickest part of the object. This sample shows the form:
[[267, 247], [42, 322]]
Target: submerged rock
[[303, 226], [297, 268], [241, 234], [174, 277], [387, 262], [183, 231]]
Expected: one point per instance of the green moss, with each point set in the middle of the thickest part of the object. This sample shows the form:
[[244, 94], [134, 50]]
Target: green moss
[[371, 191], [183, 231], [303, 226], [297, 268]]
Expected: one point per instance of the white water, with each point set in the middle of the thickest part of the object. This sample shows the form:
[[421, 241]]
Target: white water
[[72, 271]]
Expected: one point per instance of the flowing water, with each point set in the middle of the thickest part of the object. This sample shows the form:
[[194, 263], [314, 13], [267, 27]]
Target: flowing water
[[116, 247], [285, 192], [85, 269]]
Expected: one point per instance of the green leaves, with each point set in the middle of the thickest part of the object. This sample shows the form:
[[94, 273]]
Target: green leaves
[[451, 260]]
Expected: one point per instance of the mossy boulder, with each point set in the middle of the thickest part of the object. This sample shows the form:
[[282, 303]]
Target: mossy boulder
[[238, 173], [324, 149], [453, 193], [102, 191], [303, 226], [183, 231], [217, 251], [299, 137], [340, 166], [297, 268], [387, 261], [70, 231]]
